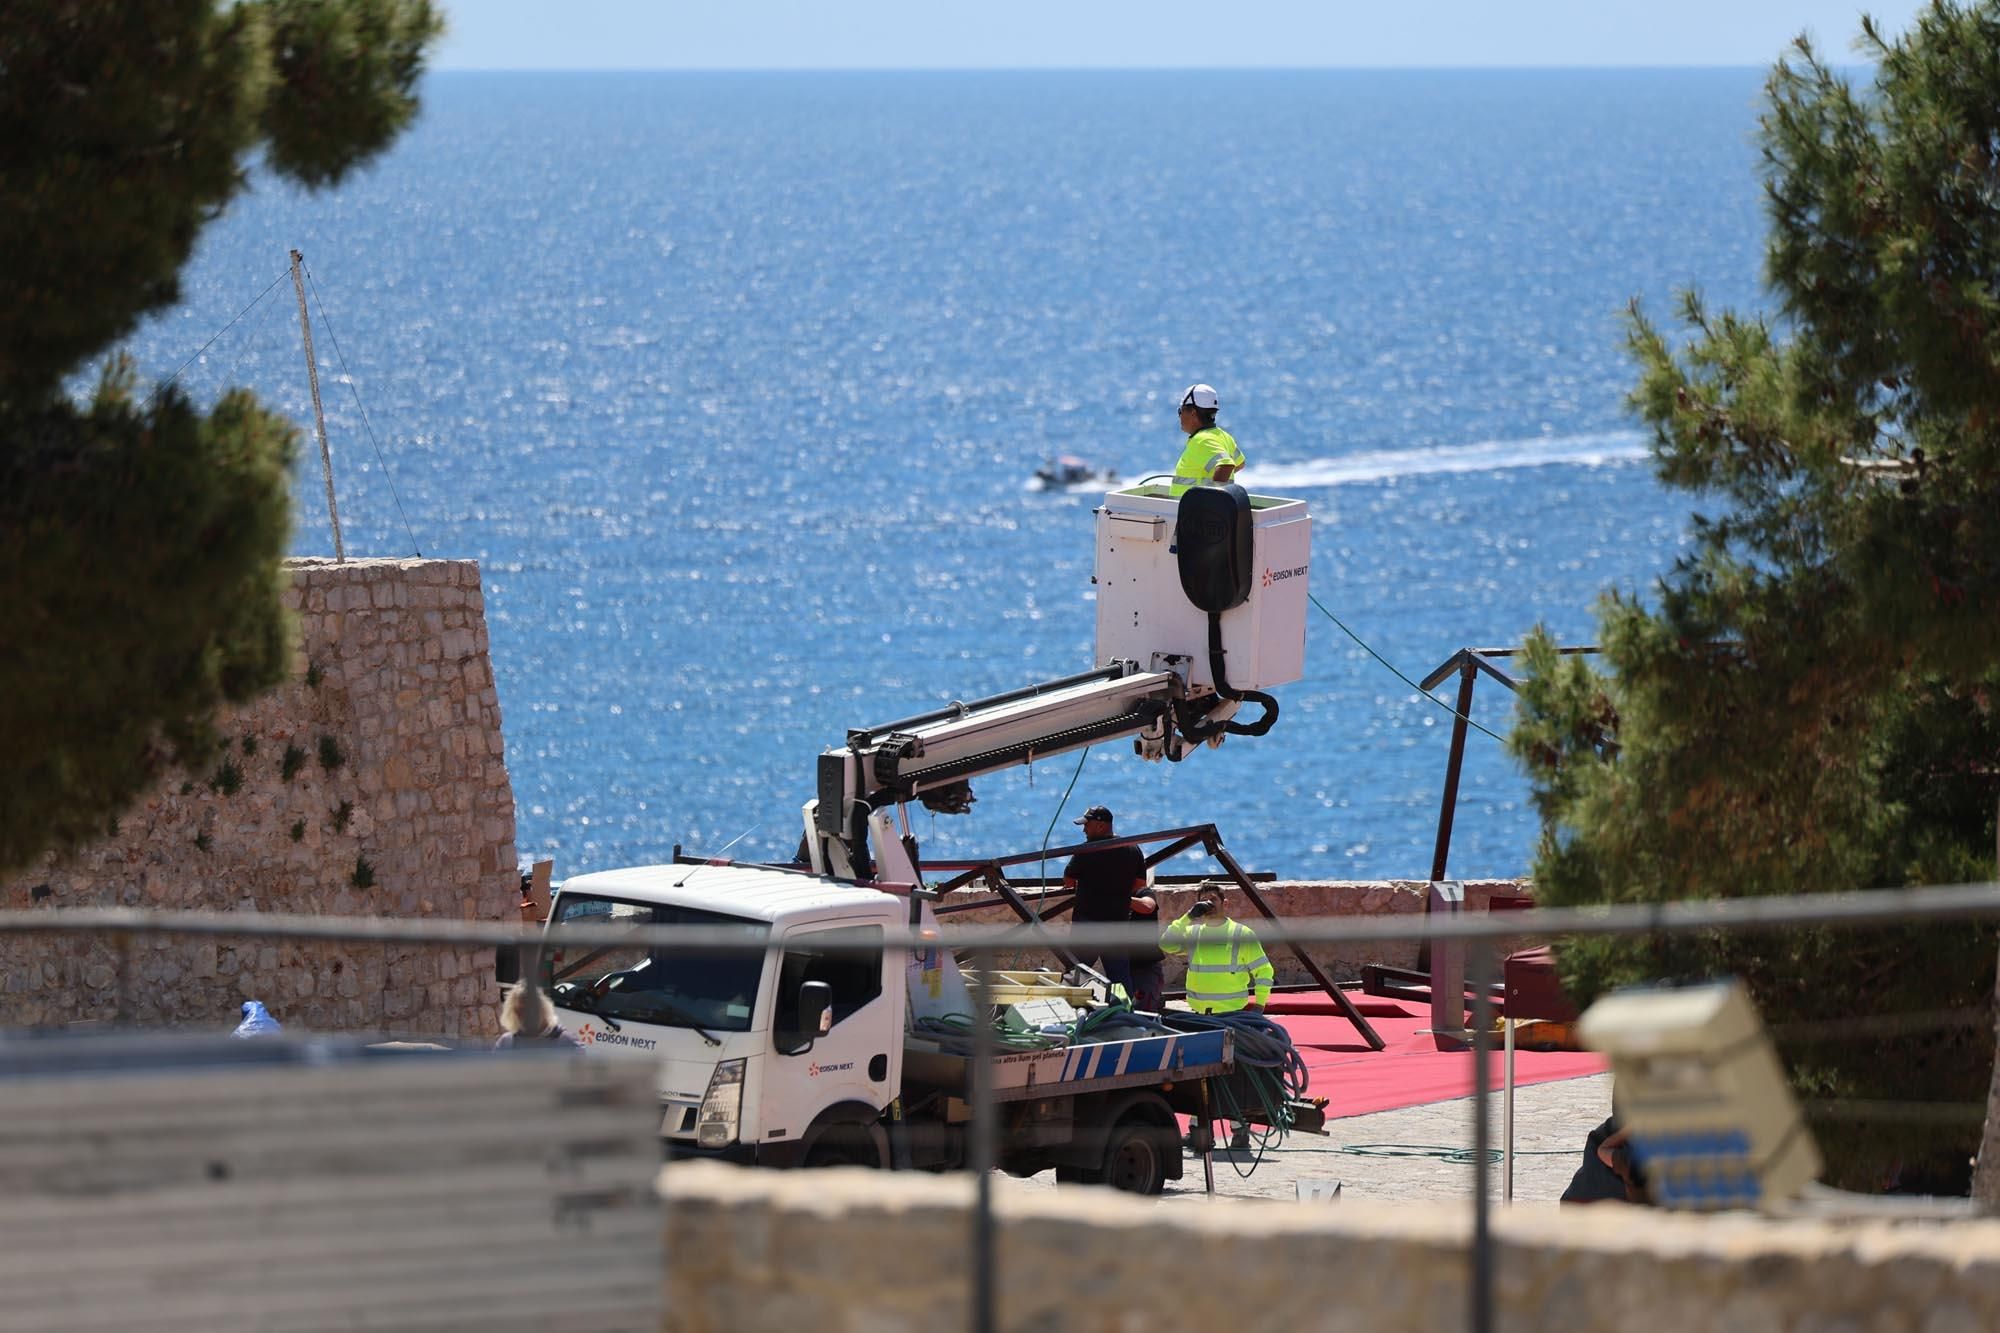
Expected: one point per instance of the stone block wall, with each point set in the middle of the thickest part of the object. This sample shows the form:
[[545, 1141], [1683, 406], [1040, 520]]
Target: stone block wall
[[372, 783], [848, 1251], [1289, 899]]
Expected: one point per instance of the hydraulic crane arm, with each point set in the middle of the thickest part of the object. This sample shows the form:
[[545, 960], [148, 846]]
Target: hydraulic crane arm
[[932, 757], [922, 756]]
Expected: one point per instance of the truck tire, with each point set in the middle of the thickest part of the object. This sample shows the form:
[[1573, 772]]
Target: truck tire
[[1136, 1156], [843, 1145]]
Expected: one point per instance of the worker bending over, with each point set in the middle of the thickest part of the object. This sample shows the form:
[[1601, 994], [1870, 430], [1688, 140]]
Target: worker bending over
[[1211, 454]]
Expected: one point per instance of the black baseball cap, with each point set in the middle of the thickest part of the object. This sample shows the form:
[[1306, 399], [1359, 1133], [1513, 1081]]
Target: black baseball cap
[[1102, 812]]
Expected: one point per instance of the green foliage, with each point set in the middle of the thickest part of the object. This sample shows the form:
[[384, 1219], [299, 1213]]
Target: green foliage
[[1809, 706], [249, 745], [364, 874], [140, 539], [139, 551], [294, 760], [298, 830], [342, 815], [331, 756], [127, 127], [228, 779], [346, 77], [314, 675]]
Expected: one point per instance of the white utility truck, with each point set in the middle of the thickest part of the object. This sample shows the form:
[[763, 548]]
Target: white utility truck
[[815, 1044]]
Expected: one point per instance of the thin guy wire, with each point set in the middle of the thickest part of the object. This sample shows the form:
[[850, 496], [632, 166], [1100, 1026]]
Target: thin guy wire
[[1398, 674], [162, 386], [1042, 867], [250, 337], [387, 475]]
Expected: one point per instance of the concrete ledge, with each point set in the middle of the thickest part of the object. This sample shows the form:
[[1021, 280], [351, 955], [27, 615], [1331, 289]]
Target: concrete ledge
[[852, 1250]]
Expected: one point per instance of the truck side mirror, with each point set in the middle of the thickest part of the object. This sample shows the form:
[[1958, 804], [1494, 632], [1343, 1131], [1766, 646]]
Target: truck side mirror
[[507, 964], [815, 1009], [815, 1018]]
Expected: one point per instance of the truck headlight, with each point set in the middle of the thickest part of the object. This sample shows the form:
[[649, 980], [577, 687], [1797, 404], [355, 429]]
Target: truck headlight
[[721, 1106]]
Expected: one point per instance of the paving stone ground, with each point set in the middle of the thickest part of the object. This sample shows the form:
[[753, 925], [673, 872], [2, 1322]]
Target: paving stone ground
[[1405, 1152]]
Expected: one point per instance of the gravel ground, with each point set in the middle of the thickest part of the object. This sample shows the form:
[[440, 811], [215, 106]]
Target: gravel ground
[[1550, 1122]]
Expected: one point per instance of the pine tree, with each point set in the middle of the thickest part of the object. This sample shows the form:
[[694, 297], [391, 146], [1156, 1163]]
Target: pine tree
[[1809, 705], [140, 538]]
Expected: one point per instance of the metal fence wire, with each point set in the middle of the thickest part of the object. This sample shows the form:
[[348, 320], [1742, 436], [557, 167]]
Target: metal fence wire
[[1482, 935]]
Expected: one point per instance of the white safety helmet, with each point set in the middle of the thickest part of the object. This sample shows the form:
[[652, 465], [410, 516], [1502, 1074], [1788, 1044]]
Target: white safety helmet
[[1200, 396]]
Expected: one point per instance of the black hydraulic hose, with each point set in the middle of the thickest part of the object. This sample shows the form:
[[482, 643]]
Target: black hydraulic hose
[[1201, 731], [1215, 666]]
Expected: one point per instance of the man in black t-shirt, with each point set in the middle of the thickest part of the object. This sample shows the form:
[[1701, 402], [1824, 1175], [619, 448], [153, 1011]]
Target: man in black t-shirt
[[1110, 885]]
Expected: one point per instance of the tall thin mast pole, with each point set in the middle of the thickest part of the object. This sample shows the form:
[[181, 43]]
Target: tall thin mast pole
[[319, 413]]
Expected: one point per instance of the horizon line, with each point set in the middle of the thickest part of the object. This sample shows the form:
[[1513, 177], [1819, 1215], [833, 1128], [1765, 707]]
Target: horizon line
[[1112, 69]]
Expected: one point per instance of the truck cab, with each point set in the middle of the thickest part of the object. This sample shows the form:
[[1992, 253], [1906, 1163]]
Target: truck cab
[[757, 1063]]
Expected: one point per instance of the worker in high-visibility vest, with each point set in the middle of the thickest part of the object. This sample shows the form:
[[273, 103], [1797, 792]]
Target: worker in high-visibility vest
[[1227, 967], [1228, 973], [1211, 454]]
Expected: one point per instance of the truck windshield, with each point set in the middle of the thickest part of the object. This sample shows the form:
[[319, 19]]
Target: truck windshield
[[644, 985]]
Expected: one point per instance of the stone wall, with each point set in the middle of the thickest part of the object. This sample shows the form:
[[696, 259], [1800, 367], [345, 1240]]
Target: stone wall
[[1290, 899], [850, 1250], [373, 783]]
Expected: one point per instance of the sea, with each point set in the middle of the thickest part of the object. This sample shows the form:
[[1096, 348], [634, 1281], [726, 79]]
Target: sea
[[734, 386]]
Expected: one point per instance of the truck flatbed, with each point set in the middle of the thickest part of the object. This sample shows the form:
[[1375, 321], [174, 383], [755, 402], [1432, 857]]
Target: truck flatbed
[[1098, 1066]]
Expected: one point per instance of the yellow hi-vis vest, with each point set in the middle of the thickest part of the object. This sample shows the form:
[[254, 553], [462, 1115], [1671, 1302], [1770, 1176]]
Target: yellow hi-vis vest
[[1206, 451], [1227, 967]]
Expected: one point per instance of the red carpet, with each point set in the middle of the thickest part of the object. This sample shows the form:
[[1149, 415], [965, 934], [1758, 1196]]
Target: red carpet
[[1410, 1070]]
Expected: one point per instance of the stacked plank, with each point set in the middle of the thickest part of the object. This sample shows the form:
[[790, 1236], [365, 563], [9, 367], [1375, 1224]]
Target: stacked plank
[[306, 1187]]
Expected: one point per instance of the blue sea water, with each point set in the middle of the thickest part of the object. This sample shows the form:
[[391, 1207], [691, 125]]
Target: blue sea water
[[733, 384]]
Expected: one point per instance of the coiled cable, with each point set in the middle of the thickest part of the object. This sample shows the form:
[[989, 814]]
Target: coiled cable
[[1268, 1064]]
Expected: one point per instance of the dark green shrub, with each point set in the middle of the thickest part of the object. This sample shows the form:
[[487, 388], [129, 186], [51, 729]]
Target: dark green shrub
[[1807, 703], [141, 536]]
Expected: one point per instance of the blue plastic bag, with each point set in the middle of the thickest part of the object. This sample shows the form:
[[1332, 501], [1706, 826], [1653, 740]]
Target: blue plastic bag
[[257, 1021]]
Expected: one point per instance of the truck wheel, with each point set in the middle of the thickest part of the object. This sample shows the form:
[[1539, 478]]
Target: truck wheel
[[841, 1149], [1135, 1158]]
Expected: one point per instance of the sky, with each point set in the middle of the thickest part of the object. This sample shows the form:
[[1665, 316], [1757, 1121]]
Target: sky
[[1142, 34]]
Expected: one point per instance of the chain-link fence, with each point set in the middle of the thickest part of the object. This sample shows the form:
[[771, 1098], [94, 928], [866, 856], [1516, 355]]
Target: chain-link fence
[[966, 1065]]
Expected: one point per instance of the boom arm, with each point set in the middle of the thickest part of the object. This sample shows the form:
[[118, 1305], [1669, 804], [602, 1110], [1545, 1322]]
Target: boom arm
[[932, 757]]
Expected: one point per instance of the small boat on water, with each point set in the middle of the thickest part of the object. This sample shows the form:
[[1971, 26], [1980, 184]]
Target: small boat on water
[[1068, 470]]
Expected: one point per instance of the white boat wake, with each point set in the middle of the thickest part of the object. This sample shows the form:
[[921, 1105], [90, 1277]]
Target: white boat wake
[[1609, 447]]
